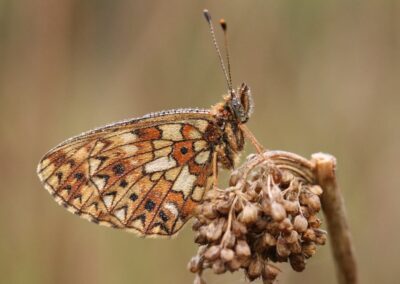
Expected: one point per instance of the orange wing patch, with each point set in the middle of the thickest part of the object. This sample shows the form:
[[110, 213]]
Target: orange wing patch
[[146, 175]]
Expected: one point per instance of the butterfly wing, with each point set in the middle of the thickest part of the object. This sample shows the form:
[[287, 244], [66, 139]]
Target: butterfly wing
[[144, 175]]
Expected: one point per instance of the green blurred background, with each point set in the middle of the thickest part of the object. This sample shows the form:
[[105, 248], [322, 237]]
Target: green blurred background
[[325, 76]]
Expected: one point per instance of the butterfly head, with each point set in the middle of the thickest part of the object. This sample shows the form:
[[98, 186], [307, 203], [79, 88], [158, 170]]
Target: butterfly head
[[240, 104]]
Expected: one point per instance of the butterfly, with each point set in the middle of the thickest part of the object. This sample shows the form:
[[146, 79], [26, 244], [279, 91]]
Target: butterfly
[[147, 175]]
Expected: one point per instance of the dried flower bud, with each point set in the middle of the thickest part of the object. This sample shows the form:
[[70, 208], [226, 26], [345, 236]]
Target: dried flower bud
[[209, 211], [227, 254], [282, 247], [300, 224], [291, 207], [320, 236], [212, 253], [200, 238], [316, 189], [255, 269], [238, 228], [287, 178], [214, 231], [222, 206], [314, 221], [195, 264], [231, 240], [270, 272], [278, 212], [234, 264], [292, 237], [249, 214], [269, 240], [242, 248], [298, 262], [218, 267], [309, 234], [295, 247], [314, 203], [286, 225], [309, 249]]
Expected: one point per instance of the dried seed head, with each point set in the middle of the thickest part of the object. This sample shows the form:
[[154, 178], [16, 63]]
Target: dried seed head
[[267, 215]]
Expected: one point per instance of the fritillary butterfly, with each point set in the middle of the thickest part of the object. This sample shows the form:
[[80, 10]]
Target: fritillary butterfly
[[146, 175]]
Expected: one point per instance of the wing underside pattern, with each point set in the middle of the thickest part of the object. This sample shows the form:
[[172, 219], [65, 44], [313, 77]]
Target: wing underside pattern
[[145, 177]]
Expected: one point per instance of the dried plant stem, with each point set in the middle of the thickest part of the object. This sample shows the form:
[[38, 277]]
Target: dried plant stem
[[334, 210]]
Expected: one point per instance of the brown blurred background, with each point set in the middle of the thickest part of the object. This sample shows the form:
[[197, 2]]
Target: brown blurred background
[[325, 76]]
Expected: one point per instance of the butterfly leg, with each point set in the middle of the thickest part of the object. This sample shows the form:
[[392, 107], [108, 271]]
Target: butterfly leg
[[215, 170], [247, 133]]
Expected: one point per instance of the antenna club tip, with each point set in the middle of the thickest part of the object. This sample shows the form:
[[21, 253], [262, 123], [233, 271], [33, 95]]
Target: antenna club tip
[[223, 24], [207, 15]]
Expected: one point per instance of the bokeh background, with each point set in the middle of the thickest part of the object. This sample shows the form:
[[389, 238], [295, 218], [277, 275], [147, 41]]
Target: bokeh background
[[325, 77]]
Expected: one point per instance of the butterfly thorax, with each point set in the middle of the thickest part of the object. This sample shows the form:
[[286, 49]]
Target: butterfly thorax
[[229, 114]]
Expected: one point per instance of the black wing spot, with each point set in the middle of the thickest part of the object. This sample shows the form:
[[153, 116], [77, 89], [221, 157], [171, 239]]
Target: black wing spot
[[163, 216], [149, 206], [118, 169], [184, 150], [102, 158], [133, 197], [123, 183], [78, 176], [59, 176]]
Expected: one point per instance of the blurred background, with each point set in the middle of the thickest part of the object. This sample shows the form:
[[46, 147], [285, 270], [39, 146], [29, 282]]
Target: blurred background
[[325, 76]]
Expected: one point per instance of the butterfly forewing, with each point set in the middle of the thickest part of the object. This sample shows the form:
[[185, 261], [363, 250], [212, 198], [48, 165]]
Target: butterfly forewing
[[144, 175]]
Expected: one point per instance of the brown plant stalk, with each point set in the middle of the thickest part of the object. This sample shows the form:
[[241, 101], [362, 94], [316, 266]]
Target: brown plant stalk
[[335, 213]]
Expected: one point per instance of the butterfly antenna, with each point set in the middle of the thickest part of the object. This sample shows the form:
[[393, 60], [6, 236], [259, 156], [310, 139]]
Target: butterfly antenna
[[224, 27], [210, 24]]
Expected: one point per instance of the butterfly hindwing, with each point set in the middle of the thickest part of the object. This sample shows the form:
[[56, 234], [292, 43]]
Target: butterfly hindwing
[[145, 175]]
